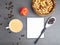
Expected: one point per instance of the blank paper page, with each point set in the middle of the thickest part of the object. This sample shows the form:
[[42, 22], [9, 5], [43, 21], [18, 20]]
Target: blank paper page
[[34, 27]]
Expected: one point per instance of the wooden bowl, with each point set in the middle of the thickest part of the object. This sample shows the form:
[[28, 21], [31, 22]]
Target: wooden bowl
[[38, 7]]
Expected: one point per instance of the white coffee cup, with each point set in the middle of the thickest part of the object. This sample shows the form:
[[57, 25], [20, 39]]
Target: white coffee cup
[[15, 25]]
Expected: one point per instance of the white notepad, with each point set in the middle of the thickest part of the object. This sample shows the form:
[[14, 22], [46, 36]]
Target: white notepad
[[34, 27]]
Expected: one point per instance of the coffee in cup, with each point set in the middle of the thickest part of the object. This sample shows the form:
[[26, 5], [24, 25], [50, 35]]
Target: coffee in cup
[[15, 25]]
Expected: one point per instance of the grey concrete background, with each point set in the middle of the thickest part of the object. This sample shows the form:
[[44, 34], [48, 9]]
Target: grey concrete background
[[52, 34]]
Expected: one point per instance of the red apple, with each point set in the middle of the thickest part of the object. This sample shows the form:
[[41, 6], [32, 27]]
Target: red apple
[[23, 11]]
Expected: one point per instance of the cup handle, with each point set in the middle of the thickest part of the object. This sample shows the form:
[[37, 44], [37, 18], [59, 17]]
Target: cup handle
[[7, 27]]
